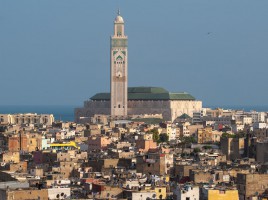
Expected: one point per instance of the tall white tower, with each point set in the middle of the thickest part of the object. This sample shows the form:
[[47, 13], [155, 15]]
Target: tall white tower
[[119, 54]]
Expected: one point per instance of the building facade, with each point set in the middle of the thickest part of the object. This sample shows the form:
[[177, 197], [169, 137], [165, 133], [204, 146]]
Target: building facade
[[119, 65], [27, 118], [250, 185], [142, 100]]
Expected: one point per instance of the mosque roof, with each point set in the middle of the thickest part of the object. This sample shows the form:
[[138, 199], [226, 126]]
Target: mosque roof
[[119, 18], [147, 93], [184, 116]]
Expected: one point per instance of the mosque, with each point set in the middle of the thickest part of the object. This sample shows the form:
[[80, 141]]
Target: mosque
[[124, 101]]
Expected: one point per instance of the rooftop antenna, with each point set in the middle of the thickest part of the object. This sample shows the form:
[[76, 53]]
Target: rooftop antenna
[[118, 12]]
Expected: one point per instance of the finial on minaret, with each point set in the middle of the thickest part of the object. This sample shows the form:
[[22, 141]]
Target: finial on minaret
[[118, 12]]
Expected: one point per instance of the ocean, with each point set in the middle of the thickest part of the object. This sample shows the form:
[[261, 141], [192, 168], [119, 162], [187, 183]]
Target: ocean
[[246, 108], [66, 113], [60, 112]]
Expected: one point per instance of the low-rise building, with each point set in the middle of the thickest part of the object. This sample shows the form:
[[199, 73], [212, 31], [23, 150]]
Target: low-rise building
[[223, 194], [98, 143], [250, 184], [186, 192]]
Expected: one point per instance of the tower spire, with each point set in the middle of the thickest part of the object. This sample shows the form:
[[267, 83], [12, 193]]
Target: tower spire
[[119, 68]]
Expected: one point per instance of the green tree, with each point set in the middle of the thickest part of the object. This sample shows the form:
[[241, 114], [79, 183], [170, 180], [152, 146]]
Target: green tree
[[196, 150], [207, 147], [184, 141], [163, 138], [155, 134]]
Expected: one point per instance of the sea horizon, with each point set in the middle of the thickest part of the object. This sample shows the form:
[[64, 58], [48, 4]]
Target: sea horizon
[[66, 112]]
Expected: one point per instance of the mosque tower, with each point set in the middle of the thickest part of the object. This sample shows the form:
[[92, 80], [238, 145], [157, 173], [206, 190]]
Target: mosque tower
[[119, 63]]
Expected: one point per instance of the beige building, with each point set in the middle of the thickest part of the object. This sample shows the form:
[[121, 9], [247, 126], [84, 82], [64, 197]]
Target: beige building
[[123, 101], [13, 157], [27, 118], [208, 135], [251, 184], [155, 163], [98, 143], [145, 142]]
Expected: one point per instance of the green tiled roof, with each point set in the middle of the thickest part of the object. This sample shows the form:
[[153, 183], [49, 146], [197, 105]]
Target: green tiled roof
[[101, 96], [147, 93], [184, 116], [146, 90]]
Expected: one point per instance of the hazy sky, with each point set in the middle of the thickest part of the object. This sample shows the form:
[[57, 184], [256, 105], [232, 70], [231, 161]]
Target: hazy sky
[[55, 52]]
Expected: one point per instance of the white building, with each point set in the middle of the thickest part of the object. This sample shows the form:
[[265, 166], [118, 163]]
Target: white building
[[259, 125], [171, 131], [184, 129], [186, 192], [59, 193], [258, 116], [246, 120], [198, 115], [237, 127], [144, 195]]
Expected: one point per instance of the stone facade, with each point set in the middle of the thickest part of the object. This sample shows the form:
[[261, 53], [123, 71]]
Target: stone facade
[[251, 184], [170, 109], [119, 55]]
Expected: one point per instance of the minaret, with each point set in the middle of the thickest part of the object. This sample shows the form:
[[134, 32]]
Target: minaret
[[119, 64]]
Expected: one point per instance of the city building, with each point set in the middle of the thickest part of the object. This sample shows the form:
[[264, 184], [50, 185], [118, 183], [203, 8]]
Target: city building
[[222, 194], [186, 192], [249, 184], [262, 152], [27, 118], [233, 148]]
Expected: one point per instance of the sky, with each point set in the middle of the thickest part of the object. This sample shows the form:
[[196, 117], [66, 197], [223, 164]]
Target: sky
[[57, 52]]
